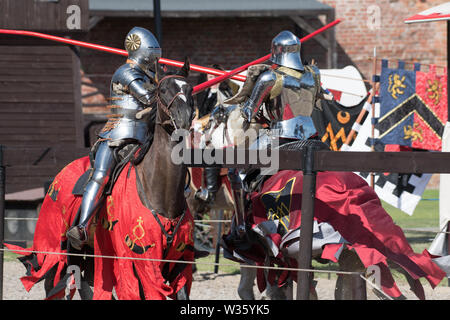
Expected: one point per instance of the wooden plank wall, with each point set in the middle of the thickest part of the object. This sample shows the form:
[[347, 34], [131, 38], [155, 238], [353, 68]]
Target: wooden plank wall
[[42, 15], [40, 113]]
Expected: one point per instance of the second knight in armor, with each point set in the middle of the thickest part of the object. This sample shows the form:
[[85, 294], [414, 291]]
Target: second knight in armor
[[131, 92], [289, 90], [284, 95]]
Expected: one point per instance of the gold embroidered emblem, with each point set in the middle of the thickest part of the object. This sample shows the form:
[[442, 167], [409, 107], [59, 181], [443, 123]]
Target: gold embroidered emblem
[[132, 42], [108, 223], [343, 117], [53, 190], [278, 203], [136, 244], [329, 134], [181, 246], [410, 132], [396, 85], [434, 91]]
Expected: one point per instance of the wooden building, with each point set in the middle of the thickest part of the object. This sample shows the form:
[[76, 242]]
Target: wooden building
[[40, 99], [41, 124]]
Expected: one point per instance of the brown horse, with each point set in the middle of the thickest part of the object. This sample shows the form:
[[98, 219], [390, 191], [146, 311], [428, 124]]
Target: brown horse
[[144, 217]]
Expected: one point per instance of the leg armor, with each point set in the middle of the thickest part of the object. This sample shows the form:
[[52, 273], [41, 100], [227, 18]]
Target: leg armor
[[93, 194], [212, 175], [238, 199]]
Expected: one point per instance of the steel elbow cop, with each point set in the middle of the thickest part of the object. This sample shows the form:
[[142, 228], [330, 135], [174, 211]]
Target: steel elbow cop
[[260, 91]]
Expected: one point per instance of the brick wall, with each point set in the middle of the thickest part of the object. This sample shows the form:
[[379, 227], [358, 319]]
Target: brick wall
[[232, 42], [421, 42], [228, 41]]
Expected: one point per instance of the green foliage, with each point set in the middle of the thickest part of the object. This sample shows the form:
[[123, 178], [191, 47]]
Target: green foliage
[[426, 214]]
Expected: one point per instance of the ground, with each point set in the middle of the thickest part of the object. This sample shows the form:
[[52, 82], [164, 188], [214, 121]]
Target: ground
[[206, 286]]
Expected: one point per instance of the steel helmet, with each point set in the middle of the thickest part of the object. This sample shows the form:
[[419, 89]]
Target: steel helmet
[[143, 48], [286, 51]]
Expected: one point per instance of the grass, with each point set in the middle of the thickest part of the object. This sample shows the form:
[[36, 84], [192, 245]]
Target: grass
[[226, 266], [425, 216], [10, 256]]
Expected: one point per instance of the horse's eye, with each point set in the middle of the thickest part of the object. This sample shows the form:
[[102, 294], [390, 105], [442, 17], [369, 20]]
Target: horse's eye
[[163, 91]]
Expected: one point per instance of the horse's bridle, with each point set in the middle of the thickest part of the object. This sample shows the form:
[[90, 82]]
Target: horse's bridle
[[166, 108], [171, 120]]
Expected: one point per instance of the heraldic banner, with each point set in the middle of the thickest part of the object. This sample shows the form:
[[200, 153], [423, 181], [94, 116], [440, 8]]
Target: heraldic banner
[[413, 106], [335, 121]]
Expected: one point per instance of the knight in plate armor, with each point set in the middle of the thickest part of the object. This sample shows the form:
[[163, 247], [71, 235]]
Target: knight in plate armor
[[289, 89], [283, 95], [131, 94]]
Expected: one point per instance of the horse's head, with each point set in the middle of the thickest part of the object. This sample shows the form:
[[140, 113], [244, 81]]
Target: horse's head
[[174, 98]]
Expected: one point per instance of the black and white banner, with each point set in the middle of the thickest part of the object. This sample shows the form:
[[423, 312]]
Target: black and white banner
[[402, 191]]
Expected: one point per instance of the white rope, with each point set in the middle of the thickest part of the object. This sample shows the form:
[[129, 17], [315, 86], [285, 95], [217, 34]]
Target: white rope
[[35, 219], [178, 261], [376, 287], [20, 219]]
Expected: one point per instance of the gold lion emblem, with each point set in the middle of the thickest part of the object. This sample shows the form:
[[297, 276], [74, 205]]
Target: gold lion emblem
[[132, 42], [410, 133], [434, 91], [396, 85]]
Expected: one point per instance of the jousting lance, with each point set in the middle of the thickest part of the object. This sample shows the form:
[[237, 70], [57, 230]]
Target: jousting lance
[[99, 47], [202, 86], [222, 75]]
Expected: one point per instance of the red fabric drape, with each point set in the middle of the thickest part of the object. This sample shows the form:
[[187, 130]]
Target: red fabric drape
[[125, 228], [350, 205]]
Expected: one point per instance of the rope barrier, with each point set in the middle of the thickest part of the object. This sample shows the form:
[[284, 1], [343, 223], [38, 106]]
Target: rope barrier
[[338, 272], [196, 221], [375, 287], [186, 262]]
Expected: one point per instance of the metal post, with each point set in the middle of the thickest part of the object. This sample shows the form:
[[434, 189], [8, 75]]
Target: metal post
[[372, 145], [219, 234], [308, 196], [157, 16], [2, 218], [448, 65], [359, 288]]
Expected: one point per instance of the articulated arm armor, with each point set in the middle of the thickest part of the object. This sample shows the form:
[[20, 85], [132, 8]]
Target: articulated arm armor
[[131, 92], [260, 92], [139, 88], [290, 96]]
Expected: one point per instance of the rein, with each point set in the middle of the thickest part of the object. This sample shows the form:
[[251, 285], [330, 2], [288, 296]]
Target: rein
[[166, 108]]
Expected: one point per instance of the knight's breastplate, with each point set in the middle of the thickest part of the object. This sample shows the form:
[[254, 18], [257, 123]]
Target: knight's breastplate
[[122, 122], [293, 106]]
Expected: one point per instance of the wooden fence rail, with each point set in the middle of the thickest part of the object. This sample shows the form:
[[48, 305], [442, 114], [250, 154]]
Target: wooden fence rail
[[310, 161]]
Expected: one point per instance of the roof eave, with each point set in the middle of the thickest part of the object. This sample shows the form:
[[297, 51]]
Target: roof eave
[[211, 14]]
